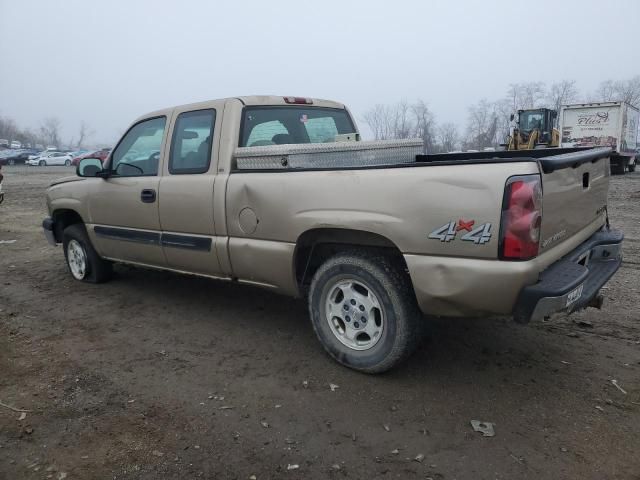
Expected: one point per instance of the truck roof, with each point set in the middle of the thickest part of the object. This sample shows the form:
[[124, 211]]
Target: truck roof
[[598, 104], [249, 100]]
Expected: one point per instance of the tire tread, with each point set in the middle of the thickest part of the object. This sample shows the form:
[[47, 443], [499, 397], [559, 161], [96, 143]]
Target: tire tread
[[100, 270], [397, 284]]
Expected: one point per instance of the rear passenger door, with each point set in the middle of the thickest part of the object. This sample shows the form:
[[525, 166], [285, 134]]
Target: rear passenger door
[[186, 192]]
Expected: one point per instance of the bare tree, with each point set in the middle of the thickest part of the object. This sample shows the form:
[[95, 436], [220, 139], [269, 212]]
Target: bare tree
[[628, 90], [606, 92], [402, 120], [8, 128], [482, 125], [503, 111], [424, 126], [378, 121], [618, 91], [448, 136], [85, 132], [50, 131], [561, 93], [29, 137], [402, 126], [526, 95]]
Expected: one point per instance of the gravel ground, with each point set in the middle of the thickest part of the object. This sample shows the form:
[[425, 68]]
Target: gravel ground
[[156, 375]]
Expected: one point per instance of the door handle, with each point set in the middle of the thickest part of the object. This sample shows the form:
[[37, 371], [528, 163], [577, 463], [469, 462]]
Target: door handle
[[148, 195]]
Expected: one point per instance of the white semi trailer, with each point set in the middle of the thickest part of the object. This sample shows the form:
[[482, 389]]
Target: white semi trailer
[[606, 124]]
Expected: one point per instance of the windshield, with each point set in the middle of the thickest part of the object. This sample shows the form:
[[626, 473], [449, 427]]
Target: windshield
[[531, 120], [286, 125]]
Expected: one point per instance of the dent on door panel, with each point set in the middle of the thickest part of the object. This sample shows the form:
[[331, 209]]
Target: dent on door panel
[[264, 262]]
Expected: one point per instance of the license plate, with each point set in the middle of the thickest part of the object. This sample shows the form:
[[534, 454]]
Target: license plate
[[574, 295]]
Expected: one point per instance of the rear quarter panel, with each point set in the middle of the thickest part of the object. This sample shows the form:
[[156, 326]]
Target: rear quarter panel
[[402, 204]]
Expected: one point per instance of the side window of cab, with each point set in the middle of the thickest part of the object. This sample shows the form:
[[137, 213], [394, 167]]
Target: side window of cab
[[138, 152], [191, 142]]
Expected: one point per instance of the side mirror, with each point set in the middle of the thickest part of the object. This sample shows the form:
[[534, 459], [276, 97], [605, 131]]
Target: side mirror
[[89, 167]]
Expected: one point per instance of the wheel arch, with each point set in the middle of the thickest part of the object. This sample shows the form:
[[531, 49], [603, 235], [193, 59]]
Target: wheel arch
[[318, 244], [62, 218]]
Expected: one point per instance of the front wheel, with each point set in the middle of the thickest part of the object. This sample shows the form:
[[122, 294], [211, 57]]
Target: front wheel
[[632, 167], [12, 162], [364, 311], [42, 163], [83, 261]]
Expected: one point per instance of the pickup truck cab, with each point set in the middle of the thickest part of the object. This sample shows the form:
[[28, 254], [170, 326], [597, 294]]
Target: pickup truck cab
[[276, 192]]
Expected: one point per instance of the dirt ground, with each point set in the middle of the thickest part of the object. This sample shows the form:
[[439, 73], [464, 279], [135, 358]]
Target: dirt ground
[[156, 375]]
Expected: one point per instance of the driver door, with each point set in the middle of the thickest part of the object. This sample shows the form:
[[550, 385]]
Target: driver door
[[123, 207]]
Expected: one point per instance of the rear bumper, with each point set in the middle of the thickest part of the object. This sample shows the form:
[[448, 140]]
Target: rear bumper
[[48, 226], [573, 282]]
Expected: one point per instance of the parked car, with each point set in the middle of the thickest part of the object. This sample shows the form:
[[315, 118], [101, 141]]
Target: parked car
[[76, 158], [38, 154], [16, 145], [370, 233], [102, 154], [16, 156], [51, 158], [34, 160], [78, 153], [4, 154]]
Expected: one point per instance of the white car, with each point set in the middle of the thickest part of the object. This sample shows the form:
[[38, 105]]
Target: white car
[[31, 157], [51, 158]]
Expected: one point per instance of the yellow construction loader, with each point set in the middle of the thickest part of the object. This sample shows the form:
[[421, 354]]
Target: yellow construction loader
[[534, 129]]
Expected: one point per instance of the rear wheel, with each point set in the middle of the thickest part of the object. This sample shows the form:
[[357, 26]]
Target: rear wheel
[[364, 311], [67, 163], [83, 261], [632, 167]]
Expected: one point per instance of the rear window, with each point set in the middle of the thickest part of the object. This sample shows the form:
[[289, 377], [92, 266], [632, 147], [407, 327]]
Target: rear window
[[281, 125]]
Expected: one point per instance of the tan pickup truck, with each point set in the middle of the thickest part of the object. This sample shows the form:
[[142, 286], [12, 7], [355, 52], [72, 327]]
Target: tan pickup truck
[[279, 192]]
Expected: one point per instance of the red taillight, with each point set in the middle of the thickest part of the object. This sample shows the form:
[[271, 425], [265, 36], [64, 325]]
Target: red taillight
[[521, 218], [298, 100]]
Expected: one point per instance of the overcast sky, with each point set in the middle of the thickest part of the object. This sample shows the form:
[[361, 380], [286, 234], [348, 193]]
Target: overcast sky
[[107, 62]]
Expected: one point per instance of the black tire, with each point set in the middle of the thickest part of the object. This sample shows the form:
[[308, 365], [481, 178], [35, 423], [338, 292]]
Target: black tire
[[11, 162], [632, 167], [401, 318], [617, 169], [97, 270], [42, 163], [67, 163]]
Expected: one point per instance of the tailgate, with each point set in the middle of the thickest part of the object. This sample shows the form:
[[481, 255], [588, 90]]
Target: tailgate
[[574, 187]]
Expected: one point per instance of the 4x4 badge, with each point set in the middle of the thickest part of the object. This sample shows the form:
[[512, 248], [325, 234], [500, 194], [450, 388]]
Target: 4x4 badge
[[447, 232]]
